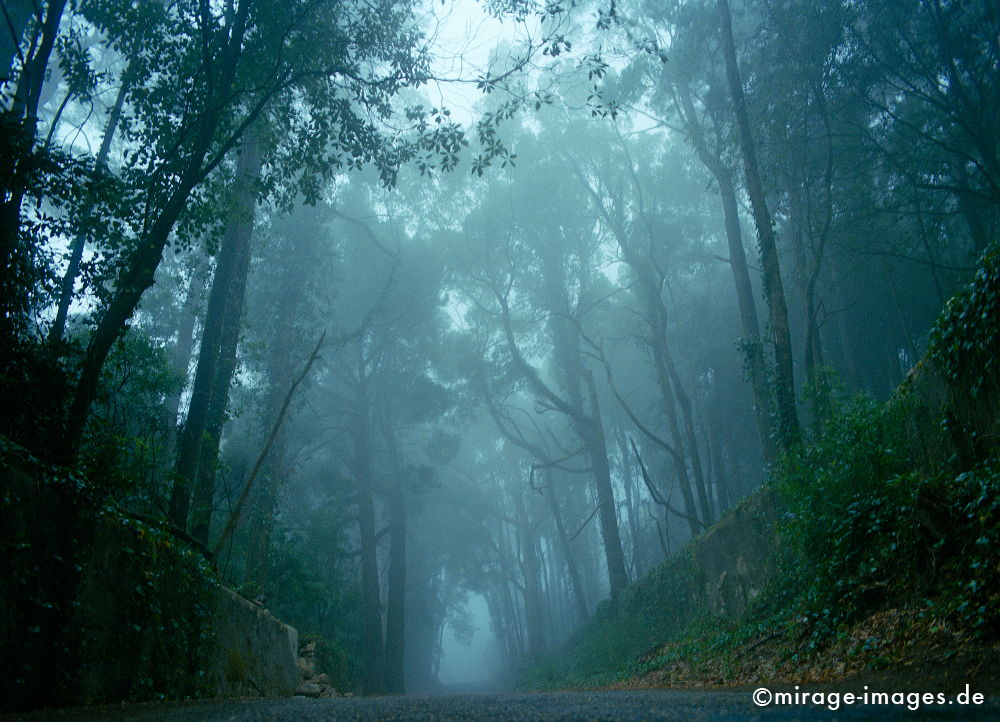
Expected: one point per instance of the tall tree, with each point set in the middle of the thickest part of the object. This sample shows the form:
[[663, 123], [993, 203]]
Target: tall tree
[[315, 59], [712, 158], [787, 415], [19, 158], [585, 417], [198, 444]]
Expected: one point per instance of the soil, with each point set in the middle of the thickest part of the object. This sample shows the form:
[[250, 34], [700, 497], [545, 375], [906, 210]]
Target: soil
[[893, 650]]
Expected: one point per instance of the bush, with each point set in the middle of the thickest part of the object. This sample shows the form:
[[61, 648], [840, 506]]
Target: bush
[[144, 611], [96, 606], [865, 527], [898, 504], [648, 612]]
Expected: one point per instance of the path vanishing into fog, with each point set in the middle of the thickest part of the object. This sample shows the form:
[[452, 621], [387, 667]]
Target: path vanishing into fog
[[611, 705]]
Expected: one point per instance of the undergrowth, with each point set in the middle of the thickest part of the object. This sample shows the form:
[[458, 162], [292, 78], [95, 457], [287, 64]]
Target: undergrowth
[[890, 510], [866, 529], [98, 606]]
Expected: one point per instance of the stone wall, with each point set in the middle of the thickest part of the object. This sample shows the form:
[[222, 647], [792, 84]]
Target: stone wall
[[153, 624], [253, 654], [945, 420], [734, 559], [720, 572]]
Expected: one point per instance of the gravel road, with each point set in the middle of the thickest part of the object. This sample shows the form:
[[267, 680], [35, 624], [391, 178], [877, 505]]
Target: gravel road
[[610, 705]]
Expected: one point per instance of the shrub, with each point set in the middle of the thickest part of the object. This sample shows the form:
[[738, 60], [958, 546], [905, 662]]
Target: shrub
[[144, 611]]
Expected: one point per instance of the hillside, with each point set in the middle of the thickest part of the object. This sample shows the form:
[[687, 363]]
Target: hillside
[[868, 556]]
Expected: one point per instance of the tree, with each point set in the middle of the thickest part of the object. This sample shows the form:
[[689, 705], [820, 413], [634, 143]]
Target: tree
[[20, 121], [545, 267], [712, 155], [170, 156], [788, 423], [637, 237], [199, 439]]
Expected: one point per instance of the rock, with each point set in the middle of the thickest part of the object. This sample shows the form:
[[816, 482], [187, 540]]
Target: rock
[[309, 689], [307, 661], [322, 679]]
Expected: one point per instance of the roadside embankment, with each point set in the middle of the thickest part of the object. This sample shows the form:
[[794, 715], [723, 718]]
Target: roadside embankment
[[104, 607], [874, 546]]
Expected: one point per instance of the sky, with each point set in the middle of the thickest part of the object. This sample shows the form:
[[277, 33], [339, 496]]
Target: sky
[[463, 36]]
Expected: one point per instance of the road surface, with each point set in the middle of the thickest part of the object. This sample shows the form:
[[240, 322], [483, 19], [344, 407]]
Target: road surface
[[600, 705]]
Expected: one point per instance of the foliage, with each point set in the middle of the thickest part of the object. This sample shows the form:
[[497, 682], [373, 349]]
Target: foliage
[[156, 593], [965, 348], [40, 538], [869, 525], [318, 597], [965, 341], [865, 532], [33, 380], [102, 606], [653, 609], [127, 435]]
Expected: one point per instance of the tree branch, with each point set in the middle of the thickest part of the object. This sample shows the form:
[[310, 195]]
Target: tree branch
[[237, 511]]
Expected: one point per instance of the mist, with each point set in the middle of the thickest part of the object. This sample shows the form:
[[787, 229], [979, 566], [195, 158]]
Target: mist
[[435, 353]]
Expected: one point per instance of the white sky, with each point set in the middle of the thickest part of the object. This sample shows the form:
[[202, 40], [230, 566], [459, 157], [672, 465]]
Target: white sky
[[463, 36]]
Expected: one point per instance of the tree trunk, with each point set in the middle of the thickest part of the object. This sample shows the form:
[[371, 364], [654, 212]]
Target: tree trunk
[[587, 427], [572, 568], [631, 502], [140, 267], [534, 623], [812, 355], [20, 121], [539, 453], [701, 485], [14, 18], [587, 422], [223, 316], [656, 318], [395, 629], [607, 514], [847, 342], [371, 596], [788, 422], [658, 347], [395, 622], [180, 357], [201, 516], [723, 491], [752, 347], [68, 283], [136, 278], [279, 373]]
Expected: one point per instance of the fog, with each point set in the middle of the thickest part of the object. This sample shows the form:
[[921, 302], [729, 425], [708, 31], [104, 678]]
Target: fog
[[442, 353], [471, 663]]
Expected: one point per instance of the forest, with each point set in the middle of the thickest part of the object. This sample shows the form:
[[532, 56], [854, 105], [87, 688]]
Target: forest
[[426, 324]]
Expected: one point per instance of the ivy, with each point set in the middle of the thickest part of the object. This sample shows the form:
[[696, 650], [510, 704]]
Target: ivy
[[866, 528], [157, 595], [965, 341], [100, 606]]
